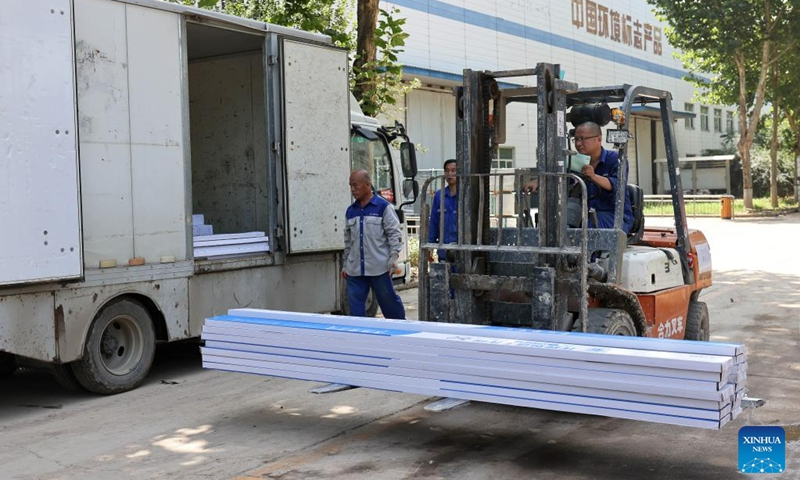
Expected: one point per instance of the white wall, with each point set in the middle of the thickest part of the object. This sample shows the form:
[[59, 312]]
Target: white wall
[[447, 36]]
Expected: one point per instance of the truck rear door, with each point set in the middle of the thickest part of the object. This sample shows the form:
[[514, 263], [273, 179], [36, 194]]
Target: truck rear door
[[317, 142], [40, 219]]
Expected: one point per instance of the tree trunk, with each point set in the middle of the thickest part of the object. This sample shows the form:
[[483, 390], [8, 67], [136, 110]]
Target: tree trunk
[[773, 174], [747, 129], [365, 44]]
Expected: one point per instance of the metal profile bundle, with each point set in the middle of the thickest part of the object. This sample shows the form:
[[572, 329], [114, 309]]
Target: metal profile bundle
[[691, 388], [230, 244]]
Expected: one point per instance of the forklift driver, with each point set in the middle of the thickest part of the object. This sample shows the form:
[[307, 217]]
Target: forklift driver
[[600, 174]]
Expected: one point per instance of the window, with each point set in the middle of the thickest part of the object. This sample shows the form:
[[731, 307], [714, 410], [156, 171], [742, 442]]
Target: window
[[704, 119], [717, 120], [729, 122], [372, 155], [688, 122], [505, 158]]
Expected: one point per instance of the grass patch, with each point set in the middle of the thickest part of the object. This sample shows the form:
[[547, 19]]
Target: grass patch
[[713, 206]]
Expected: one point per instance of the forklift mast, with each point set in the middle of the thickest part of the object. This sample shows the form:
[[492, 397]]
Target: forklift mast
[[535, 276]]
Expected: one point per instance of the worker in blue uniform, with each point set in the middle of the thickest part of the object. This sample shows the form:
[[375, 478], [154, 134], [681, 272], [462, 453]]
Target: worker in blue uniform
[[372, 244]]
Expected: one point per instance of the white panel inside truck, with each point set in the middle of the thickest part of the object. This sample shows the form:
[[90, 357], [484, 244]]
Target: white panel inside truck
[[40, 219]]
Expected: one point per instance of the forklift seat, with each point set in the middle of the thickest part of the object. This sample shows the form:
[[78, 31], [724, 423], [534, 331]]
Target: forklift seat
[[636, 195]]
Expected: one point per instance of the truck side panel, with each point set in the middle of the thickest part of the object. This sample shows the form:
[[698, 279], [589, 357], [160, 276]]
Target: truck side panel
[[154, 76], [26, 325], [303, 284], [131, 126], [104, 120], [39, 199], [80, 305]]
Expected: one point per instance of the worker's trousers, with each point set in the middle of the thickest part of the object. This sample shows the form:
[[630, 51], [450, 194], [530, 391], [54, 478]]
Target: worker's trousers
[[389, 301]]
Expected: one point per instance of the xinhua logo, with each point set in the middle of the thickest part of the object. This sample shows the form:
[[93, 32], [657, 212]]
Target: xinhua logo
[[762, 449]]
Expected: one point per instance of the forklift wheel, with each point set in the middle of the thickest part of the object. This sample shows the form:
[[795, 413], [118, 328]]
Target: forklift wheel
[[697, 324], [608, 321]]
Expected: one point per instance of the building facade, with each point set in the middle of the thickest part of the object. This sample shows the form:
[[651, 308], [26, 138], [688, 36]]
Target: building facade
[[597, 43]]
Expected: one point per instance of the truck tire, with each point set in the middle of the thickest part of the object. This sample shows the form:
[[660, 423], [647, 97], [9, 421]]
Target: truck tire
[[65, 377], [608, 321], [119, 349], [697, 323], [8, 365]]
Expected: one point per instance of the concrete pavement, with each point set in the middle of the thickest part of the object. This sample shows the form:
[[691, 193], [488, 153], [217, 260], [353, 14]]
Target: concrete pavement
[[189, 423]]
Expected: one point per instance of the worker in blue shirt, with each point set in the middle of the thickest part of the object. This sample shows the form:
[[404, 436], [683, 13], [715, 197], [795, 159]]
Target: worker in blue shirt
[[602, 174], [450, 211], [372, 244]]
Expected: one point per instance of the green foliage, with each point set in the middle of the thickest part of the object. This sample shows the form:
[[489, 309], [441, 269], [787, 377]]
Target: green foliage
[[381, 80], [711, 34], [765, 204], [761, 166], [413, 251]]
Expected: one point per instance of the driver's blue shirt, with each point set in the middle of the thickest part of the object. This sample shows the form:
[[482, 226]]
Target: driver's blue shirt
[[603, 200]]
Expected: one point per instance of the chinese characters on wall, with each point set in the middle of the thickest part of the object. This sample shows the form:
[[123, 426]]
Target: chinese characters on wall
[[616, 26]]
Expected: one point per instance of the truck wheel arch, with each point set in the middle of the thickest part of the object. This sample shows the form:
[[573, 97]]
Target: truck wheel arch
[[153, 309]]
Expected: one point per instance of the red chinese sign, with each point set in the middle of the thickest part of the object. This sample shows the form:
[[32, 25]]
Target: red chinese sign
[[616, 26]]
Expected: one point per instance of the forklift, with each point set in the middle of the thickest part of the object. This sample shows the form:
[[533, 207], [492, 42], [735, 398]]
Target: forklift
[[554, 270]]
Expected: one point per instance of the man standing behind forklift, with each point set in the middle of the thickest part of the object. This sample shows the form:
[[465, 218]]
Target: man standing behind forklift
[[602, 175], [450, 211], [372, 244]]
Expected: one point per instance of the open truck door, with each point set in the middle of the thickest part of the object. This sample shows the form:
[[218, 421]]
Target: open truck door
[[39, 191], [317, 150]]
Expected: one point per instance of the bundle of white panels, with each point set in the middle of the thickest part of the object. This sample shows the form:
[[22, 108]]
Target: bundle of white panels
[[230, 244], [199, 226], [697, 384]]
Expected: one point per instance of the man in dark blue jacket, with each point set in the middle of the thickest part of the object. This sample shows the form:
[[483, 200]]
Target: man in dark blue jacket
[[450, 211]]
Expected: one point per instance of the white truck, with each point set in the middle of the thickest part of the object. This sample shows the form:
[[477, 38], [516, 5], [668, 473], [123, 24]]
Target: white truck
[[119, 120]]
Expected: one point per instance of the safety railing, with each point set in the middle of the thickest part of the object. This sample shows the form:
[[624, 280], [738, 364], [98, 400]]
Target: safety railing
[[695, 205]]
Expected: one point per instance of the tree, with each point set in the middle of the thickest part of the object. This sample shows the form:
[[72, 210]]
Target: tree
[[787, 94], [733, 42], [365, 47]]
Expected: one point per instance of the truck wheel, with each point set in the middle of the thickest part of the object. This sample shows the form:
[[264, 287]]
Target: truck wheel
[[119, 349], [65, 377], [8, 364], [608, 321], [372, 303], [697, 324]]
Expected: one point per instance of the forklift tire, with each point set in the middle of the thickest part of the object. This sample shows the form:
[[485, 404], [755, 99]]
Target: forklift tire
[[697, 324], [8, 365], [608, 321], [119, 349]]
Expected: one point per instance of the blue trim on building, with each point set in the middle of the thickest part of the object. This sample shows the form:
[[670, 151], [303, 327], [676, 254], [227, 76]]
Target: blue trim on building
[[453, 77], [471, 17]]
